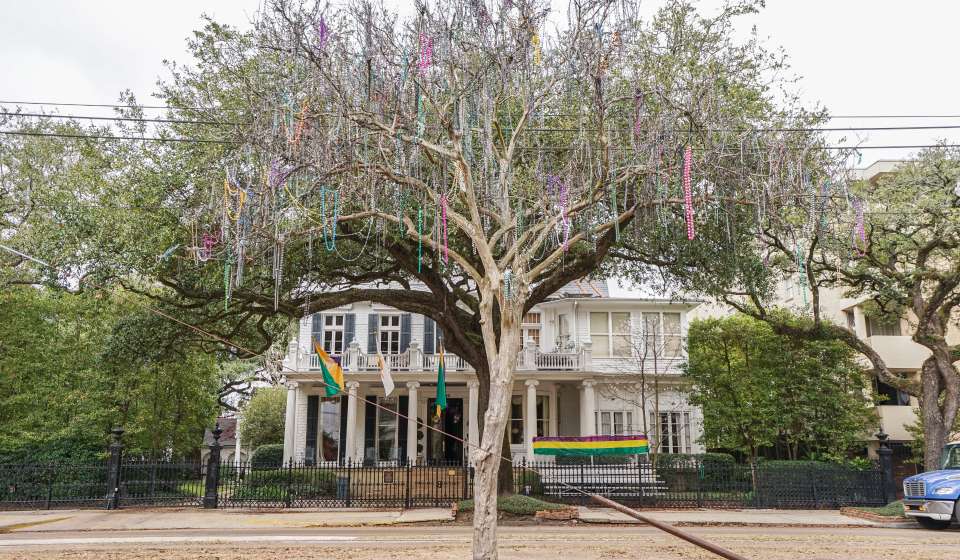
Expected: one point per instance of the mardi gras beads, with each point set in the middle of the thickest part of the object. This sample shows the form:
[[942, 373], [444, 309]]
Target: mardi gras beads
[[688, 192]]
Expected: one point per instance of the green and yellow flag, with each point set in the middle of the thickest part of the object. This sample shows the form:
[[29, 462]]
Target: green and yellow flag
[[441, 385], [332, 372]]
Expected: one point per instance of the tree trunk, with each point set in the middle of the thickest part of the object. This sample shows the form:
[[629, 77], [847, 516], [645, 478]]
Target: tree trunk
[[934, 430], [488, 459], [504, 476]]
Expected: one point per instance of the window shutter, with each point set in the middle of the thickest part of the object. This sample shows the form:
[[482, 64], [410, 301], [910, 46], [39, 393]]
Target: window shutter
[[373, 327], [317, 330], [370, 431], [404, 332], [428, 337], [313, 413], [349, 329]]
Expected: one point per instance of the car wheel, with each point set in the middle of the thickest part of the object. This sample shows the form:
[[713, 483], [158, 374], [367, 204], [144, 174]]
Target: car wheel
[[934, 524]]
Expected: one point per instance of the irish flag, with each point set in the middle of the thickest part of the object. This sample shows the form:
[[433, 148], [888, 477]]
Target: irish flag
[[591, 445], [332, 372], [441, 385]]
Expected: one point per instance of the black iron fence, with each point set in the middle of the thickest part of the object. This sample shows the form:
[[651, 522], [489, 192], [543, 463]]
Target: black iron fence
[[122, 482]]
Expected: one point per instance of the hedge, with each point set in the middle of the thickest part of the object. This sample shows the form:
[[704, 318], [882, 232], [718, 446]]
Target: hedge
[[269, 455]]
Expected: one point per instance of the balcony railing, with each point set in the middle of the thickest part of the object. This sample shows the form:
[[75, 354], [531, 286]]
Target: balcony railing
[[530, 358]]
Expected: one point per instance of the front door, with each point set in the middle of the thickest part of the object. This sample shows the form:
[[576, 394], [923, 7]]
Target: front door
[[445, 447]]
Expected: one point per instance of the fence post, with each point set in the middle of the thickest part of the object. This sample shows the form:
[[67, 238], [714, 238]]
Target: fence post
[[288, 495], [349, 477], [888, 488], [524, 487], [113, 469], [50, 475], [213, 471], [406, 498], [699, 484]]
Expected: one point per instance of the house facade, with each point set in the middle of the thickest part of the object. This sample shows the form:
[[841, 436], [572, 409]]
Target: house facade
[[591, 364]]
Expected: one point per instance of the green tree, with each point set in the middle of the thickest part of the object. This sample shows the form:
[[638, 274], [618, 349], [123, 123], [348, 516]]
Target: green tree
[[263, 417], [760, 390]]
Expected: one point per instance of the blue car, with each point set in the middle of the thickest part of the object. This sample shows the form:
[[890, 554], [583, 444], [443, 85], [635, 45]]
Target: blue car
[[933, 498]]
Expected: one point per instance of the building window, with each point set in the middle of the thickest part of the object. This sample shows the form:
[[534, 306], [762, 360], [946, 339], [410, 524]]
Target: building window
[[662, 335], [530, 330], [615, 422], [387, 430], [516, 420], [851, 320], [891, 396], [333, 334], [883, 326], [610, 333], [330, 428], [672, 431], [563, 331], [389, 334], [543, 415]]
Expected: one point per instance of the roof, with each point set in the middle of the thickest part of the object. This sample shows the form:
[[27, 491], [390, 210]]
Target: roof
[[584, 289], [229, 426]]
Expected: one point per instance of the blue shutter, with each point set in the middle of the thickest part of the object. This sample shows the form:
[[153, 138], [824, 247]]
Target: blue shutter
[[428, 327], [349, 329], [404, 332], [317, 331], [373, 328]]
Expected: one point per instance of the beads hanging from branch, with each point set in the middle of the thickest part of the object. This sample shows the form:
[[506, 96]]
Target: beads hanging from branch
[[329, 239], [688, 192], [443, 216], [420, 239], [508, 285], [426, 53]]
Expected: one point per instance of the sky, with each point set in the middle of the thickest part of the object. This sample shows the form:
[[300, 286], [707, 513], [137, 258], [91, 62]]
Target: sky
[[855, 57]]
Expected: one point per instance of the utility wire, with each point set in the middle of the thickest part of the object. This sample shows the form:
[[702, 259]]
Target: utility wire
[[530, 129]]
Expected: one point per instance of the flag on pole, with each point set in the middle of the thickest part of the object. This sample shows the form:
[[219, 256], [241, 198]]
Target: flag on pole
[[385, 375], [441, 385], [332, 372]]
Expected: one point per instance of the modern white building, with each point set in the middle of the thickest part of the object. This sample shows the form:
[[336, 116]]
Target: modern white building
[[591, 364]]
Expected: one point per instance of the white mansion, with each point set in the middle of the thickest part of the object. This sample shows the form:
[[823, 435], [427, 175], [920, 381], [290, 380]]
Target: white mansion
[[591, 364]]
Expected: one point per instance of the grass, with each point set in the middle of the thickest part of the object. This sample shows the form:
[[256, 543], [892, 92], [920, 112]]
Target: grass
[[893, 509], [516, 504]]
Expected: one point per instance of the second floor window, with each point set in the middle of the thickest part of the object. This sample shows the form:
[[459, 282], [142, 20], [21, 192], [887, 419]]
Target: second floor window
[[610, 333], [530, 329], [661, 335], [389, 334], [883, 326], [330, 334]]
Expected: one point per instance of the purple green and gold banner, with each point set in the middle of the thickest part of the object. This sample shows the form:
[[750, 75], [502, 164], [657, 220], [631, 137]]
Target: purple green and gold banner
[[591, 445]]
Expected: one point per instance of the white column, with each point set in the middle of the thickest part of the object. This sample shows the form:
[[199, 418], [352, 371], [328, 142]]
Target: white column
[[531, 416], [236, 445], [473, 418], [588, 403], [290, 420], [412, 427], [300, 426], [351, 445]]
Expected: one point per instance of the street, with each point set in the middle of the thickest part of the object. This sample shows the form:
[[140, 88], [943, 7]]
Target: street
[[434, 542]]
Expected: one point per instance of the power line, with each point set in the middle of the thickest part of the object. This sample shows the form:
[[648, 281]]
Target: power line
[[106, 137], [128, 119], [106, 105], [530, 129]]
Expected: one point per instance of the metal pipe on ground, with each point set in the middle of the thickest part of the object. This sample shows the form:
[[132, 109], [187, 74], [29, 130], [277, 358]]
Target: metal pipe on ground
[[667, 528]]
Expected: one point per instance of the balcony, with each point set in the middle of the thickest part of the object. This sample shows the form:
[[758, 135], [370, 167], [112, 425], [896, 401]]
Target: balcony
[[531, 358], [899, 352]]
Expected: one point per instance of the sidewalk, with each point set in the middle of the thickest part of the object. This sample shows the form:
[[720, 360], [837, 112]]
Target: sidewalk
[[159, 519], [743, 517], [130, 519]]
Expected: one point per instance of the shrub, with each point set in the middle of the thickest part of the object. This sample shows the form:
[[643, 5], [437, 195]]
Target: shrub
[[530, 478], [270, 455], [280, 484], [515, 504]]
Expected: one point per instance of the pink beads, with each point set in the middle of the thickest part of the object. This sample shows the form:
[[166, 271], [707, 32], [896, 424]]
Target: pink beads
[[426, 53], [443, 216], [687, 192]]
